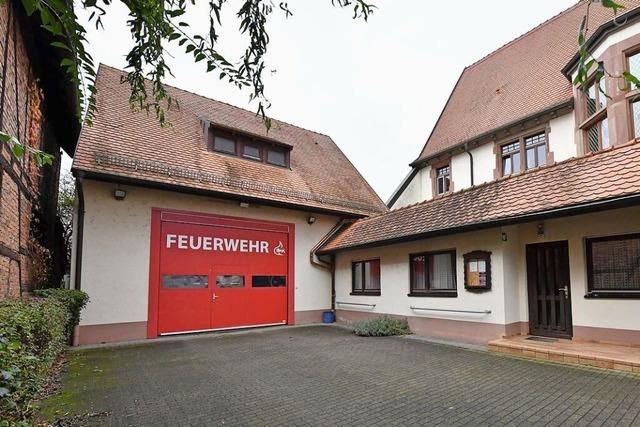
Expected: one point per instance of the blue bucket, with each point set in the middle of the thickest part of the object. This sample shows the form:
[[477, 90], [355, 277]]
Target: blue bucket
[[328, 317]]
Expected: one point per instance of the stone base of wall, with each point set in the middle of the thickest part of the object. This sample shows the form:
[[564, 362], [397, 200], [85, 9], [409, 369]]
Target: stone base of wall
[[454, 330], [110, 332], [308, 316], [129, 331], [606, 335]]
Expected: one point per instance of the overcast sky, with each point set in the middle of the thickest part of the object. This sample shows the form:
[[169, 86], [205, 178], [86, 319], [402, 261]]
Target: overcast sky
[[376, 88]]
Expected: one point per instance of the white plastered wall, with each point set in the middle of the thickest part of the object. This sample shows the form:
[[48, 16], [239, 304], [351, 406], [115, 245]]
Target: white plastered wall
[[562, 137], [419, 189], [508, 297], [116, 245], [394, 279]]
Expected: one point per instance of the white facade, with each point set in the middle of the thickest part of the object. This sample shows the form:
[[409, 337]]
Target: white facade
[[593, 319], [561, 142], [116, 248]]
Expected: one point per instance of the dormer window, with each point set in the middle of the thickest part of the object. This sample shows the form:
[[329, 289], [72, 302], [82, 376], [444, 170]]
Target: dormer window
[[224, 144], [251, 151], [248, 147]]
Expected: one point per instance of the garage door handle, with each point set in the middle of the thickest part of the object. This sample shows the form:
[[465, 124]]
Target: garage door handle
[[214, 297]]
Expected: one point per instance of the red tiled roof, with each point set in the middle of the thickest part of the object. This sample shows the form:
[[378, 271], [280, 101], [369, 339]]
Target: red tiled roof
[[600, 177], [123, 143], [519, 80]]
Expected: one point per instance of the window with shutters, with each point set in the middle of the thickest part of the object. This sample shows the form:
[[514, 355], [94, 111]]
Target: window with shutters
[[613, 266]]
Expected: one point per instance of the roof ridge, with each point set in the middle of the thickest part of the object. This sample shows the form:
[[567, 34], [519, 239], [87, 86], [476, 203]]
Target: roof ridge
[[223, 102], [523, 35], [528, 172]]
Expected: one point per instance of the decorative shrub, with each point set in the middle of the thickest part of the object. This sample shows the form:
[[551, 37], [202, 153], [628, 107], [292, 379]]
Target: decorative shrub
[[381, 327], [73, 300], [32, 334]]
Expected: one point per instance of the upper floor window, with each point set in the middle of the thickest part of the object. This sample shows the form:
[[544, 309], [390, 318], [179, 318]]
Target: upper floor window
[[536, 150], [598, 136], [224, 144], [433, 274], [510, 158], [530, 151], [443, 180], [248, 148], [365, 277], [596, 124], [634, 64], [635, 118]]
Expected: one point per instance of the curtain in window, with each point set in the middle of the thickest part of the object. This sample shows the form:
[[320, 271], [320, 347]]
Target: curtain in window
[[419, 273], [372, 275], [442, 275]]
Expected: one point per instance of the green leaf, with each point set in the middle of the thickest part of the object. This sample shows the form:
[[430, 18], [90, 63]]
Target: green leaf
[[612, 5], [200, 57], [190, 48], [61, 46], [630, 78], [18, 150]]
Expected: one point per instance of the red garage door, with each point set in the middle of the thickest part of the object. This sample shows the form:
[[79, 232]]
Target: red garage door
[[213, 272]]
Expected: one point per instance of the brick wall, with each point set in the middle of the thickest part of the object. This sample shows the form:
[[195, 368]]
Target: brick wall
[[20, 179]]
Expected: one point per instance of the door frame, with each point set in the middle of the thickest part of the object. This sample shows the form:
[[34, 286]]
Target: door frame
[[532, 299], [174, 215]]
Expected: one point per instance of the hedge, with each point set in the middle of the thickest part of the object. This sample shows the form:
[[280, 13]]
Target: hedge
[[33, 332], [381, 327]]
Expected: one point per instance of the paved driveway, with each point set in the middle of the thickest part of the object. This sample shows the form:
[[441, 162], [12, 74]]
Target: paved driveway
[[326, 376]]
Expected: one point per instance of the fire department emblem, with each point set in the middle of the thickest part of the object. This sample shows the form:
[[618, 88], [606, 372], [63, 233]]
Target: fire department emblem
[[279, 250]]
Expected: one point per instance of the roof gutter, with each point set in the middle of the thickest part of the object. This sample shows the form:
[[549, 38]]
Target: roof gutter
[[583, 208], [327, 265]]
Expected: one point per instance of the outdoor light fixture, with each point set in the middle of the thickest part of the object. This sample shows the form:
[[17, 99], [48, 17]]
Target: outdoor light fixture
[[540, 229], [311, 220], [119, 194], [244, 204], [503, 236]]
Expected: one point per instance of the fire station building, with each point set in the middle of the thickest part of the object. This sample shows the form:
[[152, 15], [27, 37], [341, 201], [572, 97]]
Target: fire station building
[[208, 224]]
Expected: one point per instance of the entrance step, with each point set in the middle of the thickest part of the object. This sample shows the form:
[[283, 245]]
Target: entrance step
[[601, 355]]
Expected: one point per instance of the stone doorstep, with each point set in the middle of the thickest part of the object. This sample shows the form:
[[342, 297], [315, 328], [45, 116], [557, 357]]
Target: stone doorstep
[[554, 355]]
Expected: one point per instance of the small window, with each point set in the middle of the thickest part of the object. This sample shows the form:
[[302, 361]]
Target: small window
[[366, 277], [635, 115], [477, 270], [433, 274], [251, 152], [173, 281], [276, 157], [595, 98], [613, 266], [598, 136], [536, 150], [269, 281], [634, 65], [224, 144], [443, 180], [510, 158], [230, 281]]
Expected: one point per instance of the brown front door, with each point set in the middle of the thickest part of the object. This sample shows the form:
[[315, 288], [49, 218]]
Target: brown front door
[[549, 289]]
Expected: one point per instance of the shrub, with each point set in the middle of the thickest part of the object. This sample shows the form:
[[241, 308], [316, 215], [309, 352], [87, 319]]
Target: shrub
[[33, 332], [381, 327], [73, 300]]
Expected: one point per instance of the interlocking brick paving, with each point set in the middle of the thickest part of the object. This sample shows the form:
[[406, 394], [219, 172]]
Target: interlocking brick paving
[[322, 375]]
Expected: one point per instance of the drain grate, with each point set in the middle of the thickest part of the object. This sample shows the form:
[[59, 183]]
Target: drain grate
[[543, 339]]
